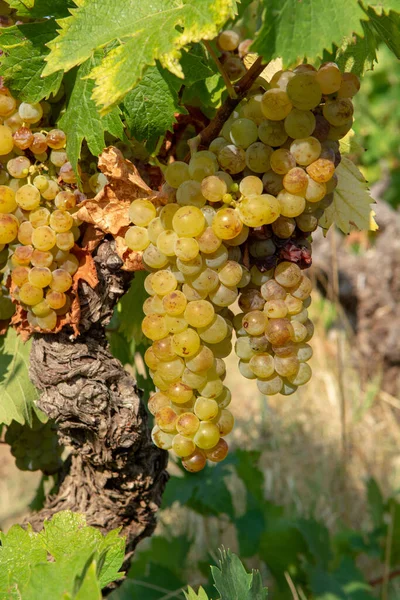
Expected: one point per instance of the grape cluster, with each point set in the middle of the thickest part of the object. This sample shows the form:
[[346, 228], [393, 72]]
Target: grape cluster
[[35, 447], [237, 226], [38, 206]]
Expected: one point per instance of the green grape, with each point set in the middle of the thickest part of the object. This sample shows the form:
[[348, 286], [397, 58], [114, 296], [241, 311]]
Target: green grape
[[230, 274], [189, 193], [304, 91], [188, 221], [51, 190], [275, 104], [294, 305], [296, 181], [174, 303], [199, 313], [41, 259], [183, 446], [39, 144], [207, 436], [232, 159], [258, 157], [213, 188], [254, 322], [47, 322], [42, 309], [190, 268], [288, 274], [28, 197], [151, 359], [304, 352], [39, 217], [275, 309], [272, 182], [225, 422], [258, 277], [186, 343], [56, 139], [166, 419], [262, 365], [22, 256], [40, 276], [208, 241], [179, 393], [7, 200], [284, 227], [321, 170], [259, 210], [224, 399], [193, 380], [137, 238], [227, 224], [219, 452], [65, 241], [279, 331], [228, 40], [175, 324], [8, 228], [43, 238], [238, 240], [61, 221], [153, 258], [280, 79], [6, 140], [215, 331], [315, 190], [161, 439], [61, 280], [141, 212], [272, 133], [64, 200], [30, 113], [251, 300], [19, 167], [154, 327], [251, 186], [186, 248], [20, 275], [153, 306], [206, 409], [290, 205], [307, 223], [201, 166], [300, 123], [201, 361], [349, 86], [252, 109], [305, 150], [166, 242], [176, 173], [163, 282], [163, 349], [302, 289], [30, 294], [262, 248], [270, 386], [338, 112], [195, 462], [282, 161], [286, 366], [217, 144], [243, 133], [171, 370], [299, 331], [302, 376], [157, 401]]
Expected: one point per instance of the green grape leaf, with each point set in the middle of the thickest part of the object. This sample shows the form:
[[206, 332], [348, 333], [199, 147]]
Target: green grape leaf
[[195, 65], [17, 394], [24, 50], [39, 9], [206, 94], [388, 29], [383, 6], [150, 108], [145, 31], [206, 492], [233, 581], [375, 502], [130, 308], [357, 54], [351, 206], [81, 120], [67, 559], [293, 30], [191, 594]]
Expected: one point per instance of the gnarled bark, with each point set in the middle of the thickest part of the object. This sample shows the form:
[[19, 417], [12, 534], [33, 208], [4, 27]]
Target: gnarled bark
[[115, 475]]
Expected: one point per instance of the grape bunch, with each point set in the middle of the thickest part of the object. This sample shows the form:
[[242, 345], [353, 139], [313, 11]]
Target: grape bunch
[[237, 228], [38, 212]]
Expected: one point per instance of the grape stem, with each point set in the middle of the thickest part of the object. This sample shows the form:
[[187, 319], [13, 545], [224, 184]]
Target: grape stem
[[223, 113], [229, 86]]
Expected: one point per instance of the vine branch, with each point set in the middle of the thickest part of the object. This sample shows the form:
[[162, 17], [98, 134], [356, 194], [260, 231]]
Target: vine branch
[[223, 113], [229, 86]]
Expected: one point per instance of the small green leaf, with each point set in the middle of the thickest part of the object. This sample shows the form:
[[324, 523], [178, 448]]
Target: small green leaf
[[90, 588], [23, 61], [233, 582], [357, 54], [81, 119], [39, 9], [294, 30], [151, 106], [191, 594], [130, 308], [388, 29], [145, 31], [17, 394]]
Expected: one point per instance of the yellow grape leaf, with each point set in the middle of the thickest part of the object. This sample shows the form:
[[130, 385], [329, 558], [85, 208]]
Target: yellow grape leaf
[[350, 208], [349, 145]]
